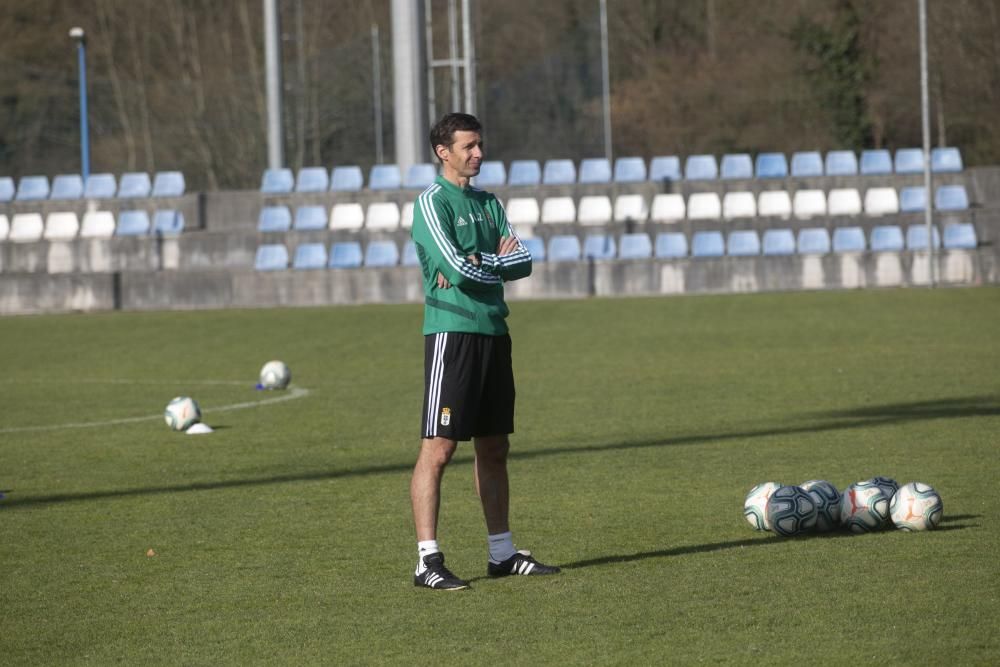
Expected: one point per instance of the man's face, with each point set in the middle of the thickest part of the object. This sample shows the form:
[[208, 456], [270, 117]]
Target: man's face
[[465, 155]]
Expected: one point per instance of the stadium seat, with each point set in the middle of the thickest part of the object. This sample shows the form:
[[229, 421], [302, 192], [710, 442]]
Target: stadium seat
[[383, 215], [7, 189], [665, 168], [559, 172], [132, 223], [946, 159], [525, 172], [806, 164], [916, 237], [312, 179], [739, 205], [491, 173], [668, 208], [558, 210], [345, 255], [100, 186], [841, 163], [704, 206], [671, 245], [536, 247], [876, 161], [814, 241], [630, 170], [522, 211], [960, 235], [61, 226], [774, 203], [599, 246], [737, 165], [772, 165], [384, 177], [779, 242], [97, 225], [168, 184], [419, 176], [848, 239], [134, 184], [67, 186], [277, 182], [347, 178], [743, 243], [26, 228], [32, 188], [274, 219], [564, 248], [4, 227], [881, 201], [347, 216], [381, 253], [809, 204], [271, 257], [309, 256], [631, 208], [635, 246], [701, 167], [912, 199], [406, 216], [951, 198], [707, 244], [595, 170], [309, 218], [168, 222], [843, 201], [886, 238], [910, 161], [410, 257], [594, 210]]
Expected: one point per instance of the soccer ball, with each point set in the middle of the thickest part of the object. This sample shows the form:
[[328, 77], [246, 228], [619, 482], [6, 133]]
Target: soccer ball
[[864, 507], [182, 413], [887, 484], [755, 505], [827, 499], [916, 506], [791, 511], [275, 375]]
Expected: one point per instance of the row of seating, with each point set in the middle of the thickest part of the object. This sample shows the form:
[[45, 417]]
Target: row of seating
[[132, 185], [65, 226]]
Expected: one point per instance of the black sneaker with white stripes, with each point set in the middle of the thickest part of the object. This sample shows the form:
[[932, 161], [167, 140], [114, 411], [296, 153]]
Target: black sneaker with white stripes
[[520, 563], [437, 576]]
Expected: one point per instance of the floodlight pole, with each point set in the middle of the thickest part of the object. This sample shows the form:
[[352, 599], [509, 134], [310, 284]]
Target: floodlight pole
[[926, 121], [272, 69], [80, 38], [606, 80]]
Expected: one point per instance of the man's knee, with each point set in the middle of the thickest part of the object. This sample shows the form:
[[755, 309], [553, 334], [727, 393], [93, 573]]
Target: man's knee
[[492, 449], [437, 452]]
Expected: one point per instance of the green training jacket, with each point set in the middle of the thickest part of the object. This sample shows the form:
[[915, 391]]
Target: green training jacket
[[449, 224]]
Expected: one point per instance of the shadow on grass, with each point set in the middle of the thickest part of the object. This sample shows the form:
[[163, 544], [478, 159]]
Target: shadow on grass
[[862, 417]]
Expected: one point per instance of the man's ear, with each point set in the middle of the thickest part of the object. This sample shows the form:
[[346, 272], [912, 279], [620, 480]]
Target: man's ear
[[441, 151]]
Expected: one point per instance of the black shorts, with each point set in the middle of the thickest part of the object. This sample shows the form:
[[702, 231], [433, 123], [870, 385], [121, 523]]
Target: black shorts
[[468, 386]]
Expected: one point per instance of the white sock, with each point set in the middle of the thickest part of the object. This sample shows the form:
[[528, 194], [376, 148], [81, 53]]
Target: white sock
[[501, 547], [425, 548]]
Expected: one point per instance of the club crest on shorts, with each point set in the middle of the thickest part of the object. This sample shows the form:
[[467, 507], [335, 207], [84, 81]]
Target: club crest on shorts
[[445, 416]]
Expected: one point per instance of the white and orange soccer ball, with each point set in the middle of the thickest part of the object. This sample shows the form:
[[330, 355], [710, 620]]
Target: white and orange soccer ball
[[864, 507], [755, 505], [275, 375], [916, 506], [182, 413]]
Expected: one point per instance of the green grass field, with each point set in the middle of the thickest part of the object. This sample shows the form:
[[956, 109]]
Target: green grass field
[[285, 537]]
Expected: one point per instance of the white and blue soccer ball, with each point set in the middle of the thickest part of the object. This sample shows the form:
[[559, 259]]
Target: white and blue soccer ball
[[827, 499], [916, 506], [791, 511], [275, 375], [182, 413], [887, 484], [755, 505], [864, 507]]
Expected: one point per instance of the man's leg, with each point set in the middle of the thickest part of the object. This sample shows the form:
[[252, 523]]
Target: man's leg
[[491, 481], [425, 487]]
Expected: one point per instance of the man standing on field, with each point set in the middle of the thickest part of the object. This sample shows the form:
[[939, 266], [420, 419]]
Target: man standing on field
[[467, 249]]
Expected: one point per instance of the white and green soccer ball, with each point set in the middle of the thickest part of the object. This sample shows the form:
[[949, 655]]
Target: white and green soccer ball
[[827, 499], [182, 413], [275, 375], [755, 505], [887, 484], [864, 507], [791, 511], [916, 506]]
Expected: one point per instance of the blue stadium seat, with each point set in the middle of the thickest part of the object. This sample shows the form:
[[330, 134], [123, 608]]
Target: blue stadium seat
[[743, 243], [491, 173], [564, 248], [708, 244], [168, 184], [665, 168], [385, 177], [946, 159], [67, 186], [912, 199], [960, 235], [274, 219], [271, 257], [886, 238], [951, 198], [309, 256], [134, 184], [848, 239], [7, 188], [277, 181], [525, 172], [814, 241], [910, 161], [410, 257], [381, 253], [312, 179], [559, 172], [419, 176], [736, 165], [671, 245], [345, 255], [100, 186], [635, 246], [168, 222], [806, 164], [132, 223], [916, 237], [536, 247], [779, 242], [841, 163], [599, 246], [32, 188], [701, 167], [595, 170], [630, 170], [876, 161], [347, 178], [772, 165], [310, 218]]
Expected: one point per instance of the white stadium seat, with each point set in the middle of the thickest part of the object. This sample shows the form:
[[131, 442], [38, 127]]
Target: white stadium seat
[[774, 203], [61, 226], [668, 208], [631, 207], [809, 204], [406, 217], [844, 201], [739, 205], [26, 227], [558, 210], [348, 216], [383, 215], [881, 201], [4, 227], [522, 211], [704, 206], [594, 210], [98, 225]]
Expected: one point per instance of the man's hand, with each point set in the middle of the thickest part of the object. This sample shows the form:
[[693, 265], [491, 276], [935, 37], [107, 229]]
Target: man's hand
[[443, 282], [507, 245]]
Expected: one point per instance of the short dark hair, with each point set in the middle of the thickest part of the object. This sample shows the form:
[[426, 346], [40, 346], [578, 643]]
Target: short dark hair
[[443, 132]]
